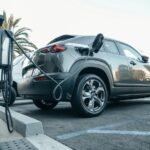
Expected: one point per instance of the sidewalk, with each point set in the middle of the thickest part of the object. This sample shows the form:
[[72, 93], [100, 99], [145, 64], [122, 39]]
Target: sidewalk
[[28, 135], [5, 135]]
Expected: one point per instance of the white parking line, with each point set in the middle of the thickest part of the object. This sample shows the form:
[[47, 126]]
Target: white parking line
[[82, 132], [120, 132]]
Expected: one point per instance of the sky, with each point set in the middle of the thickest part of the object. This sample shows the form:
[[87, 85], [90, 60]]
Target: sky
[[124, 20]]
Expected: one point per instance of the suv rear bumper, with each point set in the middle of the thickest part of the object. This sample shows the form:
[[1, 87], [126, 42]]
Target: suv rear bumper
[[43, 89]]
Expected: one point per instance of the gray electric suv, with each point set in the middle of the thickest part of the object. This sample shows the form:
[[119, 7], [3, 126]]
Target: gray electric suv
[[116, 71]]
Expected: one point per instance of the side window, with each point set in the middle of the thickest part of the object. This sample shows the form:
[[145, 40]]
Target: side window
[[130, 52], [111, 47]]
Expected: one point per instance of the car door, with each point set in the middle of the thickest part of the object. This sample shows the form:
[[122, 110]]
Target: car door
[[117, 62], [139, 70]]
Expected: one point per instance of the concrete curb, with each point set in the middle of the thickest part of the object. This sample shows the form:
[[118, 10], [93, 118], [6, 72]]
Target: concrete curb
[[32, 130], [26, 126], [43, 142]]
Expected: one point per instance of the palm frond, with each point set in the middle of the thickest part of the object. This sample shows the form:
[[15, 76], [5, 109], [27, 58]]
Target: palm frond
[[10, 22], [15, 23], [5, 20], [21, 35], [22, 32]]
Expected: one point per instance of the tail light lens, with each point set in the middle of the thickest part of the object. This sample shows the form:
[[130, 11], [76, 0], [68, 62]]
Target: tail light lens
[[56, 48]]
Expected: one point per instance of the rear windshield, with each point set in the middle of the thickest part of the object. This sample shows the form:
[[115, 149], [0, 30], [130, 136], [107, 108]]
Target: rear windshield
[[61, 38]]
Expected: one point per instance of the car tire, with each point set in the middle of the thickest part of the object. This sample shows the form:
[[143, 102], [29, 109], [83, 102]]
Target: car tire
[[45, 104], [90, 95]]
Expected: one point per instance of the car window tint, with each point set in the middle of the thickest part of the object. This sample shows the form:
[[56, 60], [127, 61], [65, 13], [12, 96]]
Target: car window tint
[[111, 47], [130, 52]]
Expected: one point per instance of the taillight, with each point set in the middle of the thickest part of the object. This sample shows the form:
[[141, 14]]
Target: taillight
[[56, 48], [40, 78]]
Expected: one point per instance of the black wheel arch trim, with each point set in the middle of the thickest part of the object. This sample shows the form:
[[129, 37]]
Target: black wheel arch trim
[[91, 63]]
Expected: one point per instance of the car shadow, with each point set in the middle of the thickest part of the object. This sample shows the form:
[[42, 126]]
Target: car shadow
[[64, 110], [59, 112]]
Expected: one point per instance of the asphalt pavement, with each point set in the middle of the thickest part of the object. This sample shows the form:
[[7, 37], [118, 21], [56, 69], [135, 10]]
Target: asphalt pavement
[[124, 125]]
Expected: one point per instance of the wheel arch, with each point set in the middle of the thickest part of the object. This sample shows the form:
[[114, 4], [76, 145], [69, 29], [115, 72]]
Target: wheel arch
[[93, 66]]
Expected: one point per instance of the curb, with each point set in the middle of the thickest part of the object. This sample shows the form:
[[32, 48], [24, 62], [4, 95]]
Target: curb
[[26, 126], [32, 130], [43, 142]]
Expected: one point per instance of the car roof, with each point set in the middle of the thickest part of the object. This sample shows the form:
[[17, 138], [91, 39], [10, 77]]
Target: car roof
[[67, 37], [88, 39]]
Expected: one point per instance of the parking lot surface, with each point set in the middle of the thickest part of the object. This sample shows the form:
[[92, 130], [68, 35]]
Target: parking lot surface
[[122, 126]]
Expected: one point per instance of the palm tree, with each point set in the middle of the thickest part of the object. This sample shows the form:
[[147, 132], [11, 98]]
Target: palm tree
[[20, 34]]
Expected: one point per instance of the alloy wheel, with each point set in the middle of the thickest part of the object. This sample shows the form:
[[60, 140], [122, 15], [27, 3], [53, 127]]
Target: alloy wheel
[[93, 95]]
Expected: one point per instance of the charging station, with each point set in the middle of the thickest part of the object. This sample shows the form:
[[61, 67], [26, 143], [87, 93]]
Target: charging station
[[6, 51]]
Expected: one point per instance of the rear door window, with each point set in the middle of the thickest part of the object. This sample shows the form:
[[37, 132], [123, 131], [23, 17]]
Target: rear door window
[[111, 47]]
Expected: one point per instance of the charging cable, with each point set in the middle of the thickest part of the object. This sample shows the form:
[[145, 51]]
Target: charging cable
[[49, 77], [6, 92], [58, 84]]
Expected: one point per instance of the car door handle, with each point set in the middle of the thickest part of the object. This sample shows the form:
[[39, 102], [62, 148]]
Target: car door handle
[[132, 63]]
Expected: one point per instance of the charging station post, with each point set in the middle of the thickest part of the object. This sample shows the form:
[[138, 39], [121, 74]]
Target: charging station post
[[6, 50]]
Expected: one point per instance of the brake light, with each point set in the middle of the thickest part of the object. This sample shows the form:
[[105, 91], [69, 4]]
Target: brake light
[[56, 48], [40, 78]]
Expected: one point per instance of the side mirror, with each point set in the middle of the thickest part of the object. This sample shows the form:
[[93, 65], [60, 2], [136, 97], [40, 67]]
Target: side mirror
[[98, 42], [145, 59]]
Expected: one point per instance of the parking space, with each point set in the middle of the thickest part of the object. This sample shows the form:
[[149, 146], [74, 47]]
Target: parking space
[[123, 125]]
